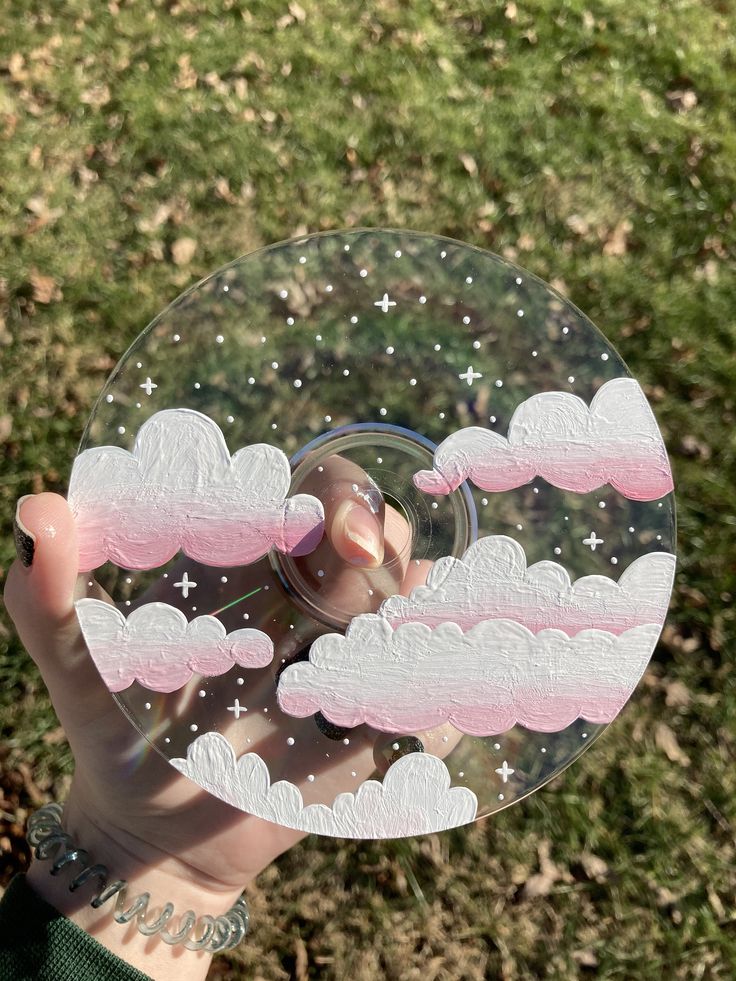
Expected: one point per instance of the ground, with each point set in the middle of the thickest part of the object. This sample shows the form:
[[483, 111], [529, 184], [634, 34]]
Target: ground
[[144, 144]]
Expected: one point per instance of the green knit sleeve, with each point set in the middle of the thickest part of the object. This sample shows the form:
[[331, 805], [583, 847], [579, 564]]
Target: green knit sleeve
[[38, 943]]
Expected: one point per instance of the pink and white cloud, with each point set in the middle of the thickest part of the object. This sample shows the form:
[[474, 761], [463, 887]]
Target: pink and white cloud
[[554, 435], [179, 489], [157, 647], [497, 675], [415, 797], [492, 581]]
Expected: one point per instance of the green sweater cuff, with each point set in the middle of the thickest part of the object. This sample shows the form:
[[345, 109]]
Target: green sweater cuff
[[38, 943]]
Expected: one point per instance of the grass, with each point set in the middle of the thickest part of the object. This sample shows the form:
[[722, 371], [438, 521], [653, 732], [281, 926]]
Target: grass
[[592, 142]]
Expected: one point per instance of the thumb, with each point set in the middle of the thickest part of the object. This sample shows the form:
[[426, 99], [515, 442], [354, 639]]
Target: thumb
[[40, 592]]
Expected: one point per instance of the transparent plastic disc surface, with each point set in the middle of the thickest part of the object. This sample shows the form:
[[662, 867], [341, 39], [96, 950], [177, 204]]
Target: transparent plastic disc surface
[[528, 517]]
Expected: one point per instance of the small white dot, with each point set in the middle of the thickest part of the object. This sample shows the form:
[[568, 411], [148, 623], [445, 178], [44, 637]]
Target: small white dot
[[534, 354], [435, 505], [246, 616], [412, 382], [614, 560], [231, 418], [383, 411], [225, 288], [422, 299], [263, 340], [346, 742], [461, 773], [601, 504], [297, 383], [219, 339], [197, 385], [363, 273], [223, 578], [353, 319], [631, 529], [476, 345], [497, 745], [251, 380], [320, 469], [128, 580], [328, 288], [176, 338], [127, 602], [442, 415], [290, 321], [565, 330], [318, 337], [492, 418], [519, 313], [499, 383], [346, 372], [484, 501], [274, 364], [604, 356], [166, 739], [558, 550], [535, 490], [390, 350], [353, 773], [438, 347], [290, 741], [194, 609], [584, 735], [659, 538], [571, 378], [443, 255], [500, 797], [468, 280], [274, 425], [202, 693], [397, 254], [320, 573], [109, 398], [194, 727], [283, 294], [660, 504], [394, 746], [121, 429], [147, 706], [302, 259], [328, 418], [137, 405], [354, 488], [346, 248], [518, 280], [445, 739], [567, 517], [466, 320], [519, 527], [543, 749], [310, 778]]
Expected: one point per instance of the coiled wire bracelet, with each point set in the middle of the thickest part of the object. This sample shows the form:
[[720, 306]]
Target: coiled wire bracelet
[[211, 933]]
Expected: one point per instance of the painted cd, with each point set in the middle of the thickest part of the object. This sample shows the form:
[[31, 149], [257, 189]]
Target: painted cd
[[388, 530]]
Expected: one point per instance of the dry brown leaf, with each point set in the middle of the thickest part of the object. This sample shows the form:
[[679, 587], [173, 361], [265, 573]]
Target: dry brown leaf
[[542, 882], [681, 99], [617, 242], [468, 163], [666, 740], [594, 866], [677, 694], [187, 77], [96, 96], [585, 958], [45, 288], [298, 13], [182, 251], [301, 958], [6, 427], [511, 11]]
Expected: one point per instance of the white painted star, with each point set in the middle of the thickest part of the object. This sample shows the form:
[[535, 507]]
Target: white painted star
[[185, 585], [469, 376], [384, 303], [236, 708], [593, 541], [505, 771], [148, 386]]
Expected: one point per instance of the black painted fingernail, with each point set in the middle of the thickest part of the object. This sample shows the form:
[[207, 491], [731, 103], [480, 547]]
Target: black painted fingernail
[[25, 541], [328, 728]]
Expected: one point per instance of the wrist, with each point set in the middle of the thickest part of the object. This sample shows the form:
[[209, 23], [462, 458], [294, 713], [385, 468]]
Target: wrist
[[145, 870]]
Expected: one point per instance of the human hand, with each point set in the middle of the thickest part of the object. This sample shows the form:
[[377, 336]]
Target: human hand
[[128, 807]]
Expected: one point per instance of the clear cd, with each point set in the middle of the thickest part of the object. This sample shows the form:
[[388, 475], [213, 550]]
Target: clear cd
[[388, 530]]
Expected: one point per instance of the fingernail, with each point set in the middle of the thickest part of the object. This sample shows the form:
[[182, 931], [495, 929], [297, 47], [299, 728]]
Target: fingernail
[[364, 535], [25, 541]]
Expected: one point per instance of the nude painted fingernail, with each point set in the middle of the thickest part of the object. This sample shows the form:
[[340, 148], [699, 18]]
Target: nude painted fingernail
[[363, 534], [25, 541]]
